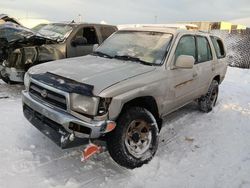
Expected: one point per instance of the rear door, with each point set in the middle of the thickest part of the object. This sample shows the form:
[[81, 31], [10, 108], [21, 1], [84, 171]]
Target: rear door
[[220, 65], [204, 64]]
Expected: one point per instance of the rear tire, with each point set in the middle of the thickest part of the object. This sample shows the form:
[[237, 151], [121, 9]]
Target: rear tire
[[134, 141], [208, 101]]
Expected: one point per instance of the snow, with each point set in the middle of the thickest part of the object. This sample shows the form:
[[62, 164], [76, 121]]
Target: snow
[[196, 149]]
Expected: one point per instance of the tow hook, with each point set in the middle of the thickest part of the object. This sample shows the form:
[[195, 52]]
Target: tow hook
[[89, 151]]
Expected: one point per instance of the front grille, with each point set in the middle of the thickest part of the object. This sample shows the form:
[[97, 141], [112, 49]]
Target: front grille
[[39, 117], [48, 96]]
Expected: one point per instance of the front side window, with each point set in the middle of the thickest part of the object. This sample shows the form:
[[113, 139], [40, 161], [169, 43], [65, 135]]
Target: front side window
[[204, 50], [145, 46], [89, 34], [186, 46]]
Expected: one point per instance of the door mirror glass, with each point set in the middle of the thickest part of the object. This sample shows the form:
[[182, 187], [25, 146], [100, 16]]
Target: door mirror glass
[[185, 62], [79, 41]]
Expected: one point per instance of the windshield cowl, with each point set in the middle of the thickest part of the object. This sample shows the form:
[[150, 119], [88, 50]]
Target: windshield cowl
[[130, 58]]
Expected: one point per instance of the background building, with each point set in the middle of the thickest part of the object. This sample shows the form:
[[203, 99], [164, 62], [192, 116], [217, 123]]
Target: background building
[[208, 26]]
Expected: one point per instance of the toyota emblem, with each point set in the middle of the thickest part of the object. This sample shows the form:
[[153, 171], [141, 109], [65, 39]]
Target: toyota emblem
[[44, 93]]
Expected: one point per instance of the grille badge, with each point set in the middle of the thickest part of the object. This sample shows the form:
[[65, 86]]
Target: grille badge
[[44, 93]]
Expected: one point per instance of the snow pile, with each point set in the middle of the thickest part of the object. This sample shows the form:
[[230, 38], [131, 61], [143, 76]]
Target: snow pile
[[196, 149]]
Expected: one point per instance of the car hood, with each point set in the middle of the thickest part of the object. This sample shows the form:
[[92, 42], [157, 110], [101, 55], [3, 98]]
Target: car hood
[[25, 36], [92, 70]]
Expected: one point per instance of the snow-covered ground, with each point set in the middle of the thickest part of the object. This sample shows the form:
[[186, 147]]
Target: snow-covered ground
[[196, 150]]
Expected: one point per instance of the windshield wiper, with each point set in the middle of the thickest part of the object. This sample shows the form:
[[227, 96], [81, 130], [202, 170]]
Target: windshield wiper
[[131, 58], [101, 54]]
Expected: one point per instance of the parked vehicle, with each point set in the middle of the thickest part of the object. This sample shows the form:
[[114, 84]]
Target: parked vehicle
[[122, 91], [22, 48]]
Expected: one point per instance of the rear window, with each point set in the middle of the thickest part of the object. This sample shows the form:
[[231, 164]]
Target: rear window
[[218, 46]]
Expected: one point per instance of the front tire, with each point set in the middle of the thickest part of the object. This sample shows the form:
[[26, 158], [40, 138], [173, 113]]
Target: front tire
[[208, 101], [134, 141]]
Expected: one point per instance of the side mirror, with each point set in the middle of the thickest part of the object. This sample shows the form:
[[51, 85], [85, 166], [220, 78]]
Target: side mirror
[[95, 47], [79, 41], [185, 62]]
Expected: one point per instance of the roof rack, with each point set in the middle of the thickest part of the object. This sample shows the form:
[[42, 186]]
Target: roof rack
[[204, 31]]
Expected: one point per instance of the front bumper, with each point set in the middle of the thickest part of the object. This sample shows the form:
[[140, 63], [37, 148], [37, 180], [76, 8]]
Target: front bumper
[[14, 75], [54, 123], [1, 68]]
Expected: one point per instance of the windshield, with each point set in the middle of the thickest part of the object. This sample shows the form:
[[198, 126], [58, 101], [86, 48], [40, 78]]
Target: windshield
[[145, 46], [55, 31]]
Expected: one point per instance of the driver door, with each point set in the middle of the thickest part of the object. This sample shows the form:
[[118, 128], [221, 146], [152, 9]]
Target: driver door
[[183, 82], [89, 35]]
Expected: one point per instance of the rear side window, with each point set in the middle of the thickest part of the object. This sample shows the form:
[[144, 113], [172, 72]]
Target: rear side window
[[203, 49], [106, 31], [186, 46], [218, 46]]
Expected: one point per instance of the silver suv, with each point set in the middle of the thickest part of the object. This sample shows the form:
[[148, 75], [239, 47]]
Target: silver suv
[[122, 91]]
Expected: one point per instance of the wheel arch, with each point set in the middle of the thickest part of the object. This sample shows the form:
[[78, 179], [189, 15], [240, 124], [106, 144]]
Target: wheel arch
[[217, 78], [147, 102]]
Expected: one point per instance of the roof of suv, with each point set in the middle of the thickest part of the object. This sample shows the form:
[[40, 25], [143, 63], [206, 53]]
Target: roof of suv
[[163, 29], [79, 24]]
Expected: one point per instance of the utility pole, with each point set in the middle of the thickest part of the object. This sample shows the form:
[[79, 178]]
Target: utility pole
[[80, 18], [156, 19]]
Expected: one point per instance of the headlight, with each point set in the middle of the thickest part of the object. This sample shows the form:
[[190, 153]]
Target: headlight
[[27, 80], [84, 104], [5, 63]]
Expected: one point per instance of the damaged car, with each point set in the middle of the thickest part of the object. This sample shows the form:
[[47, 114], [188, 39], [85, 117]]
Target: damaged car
[[5, 18], [22, 48], [122, 92]]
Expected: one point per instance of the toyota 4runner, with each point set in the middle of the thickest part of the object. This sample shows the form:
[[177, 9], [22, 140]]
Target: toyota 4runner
[[121, 92]]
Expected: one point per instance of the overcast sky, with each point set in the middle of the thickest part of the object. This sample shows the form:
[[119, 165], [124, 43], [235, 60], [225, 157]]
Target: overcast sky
[[128, 11]]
